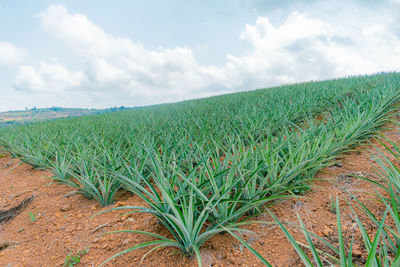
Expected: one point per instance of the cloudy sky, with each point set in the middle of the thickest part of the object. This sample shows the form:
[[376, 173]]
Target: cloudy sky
[[99, 54]]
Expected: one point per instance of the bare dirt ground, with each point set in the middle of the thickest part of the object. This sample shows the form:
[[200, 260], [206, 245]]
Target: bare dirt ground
[[54, 224]]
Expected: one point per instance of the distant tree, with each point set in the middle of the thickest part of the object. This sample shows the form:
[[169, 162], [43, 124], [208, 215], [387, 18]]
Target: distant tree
[[53, 108]]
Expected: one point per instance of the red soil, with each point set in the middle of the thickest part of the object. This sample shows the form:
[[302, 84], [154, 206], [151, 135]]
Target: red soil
[[64, 225]]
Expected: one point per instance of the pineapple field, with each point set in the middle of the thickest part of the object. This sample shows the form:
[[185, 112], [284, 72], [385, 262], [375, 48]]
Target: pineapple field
[[304, 174]]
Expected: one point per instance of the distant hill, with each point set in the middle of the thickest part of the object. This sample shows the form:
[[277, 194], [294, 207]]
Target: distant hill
[[17, 117]]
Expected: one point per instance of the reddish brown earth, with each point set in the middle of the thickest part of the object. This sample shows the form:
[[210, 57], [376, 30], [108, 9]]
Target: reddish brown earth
[[63, 224]]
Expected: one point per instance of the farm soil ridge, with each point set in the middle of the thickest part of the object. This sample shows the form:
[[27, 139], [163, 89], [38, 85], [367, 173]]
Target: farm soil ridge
[[56, 223]]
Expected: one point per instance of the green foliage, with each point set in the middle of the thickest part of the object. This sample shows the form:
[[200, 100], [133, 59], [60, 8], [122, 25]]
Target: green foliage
[[383, 249], [33, 216], [332, 205], [389, 173], [341, 255], [74, 258]]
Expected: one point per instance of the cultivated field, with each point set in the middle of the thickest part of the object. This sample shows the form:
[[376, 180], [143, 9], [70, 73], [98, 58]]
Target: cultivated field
[[213, 166], [12, 118]]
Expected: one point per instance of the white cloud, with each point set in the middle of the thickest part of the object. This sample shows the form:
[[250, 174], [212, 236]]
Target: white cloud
[[28, 79], [264, 36], [10, 54], [117, 68], [49, 77], [123, 66], [305, 48]]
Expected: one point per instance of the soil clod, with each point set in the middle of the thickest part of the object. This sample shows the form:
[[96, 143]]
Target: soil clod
[[4, 245], [338, 165]]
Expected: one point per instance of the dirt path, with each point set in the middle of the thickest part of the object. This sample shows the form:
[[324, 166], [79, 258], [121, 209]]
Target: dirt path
[[52, 225]]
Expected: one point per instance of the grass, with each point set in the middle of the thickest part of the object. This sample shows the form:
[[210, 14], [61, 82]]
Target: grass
[[208, 166], [332, 205], [33, 216]]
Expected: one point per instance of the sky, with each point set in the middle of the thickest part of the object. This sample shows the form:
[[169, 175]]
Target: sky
[[97, 53]]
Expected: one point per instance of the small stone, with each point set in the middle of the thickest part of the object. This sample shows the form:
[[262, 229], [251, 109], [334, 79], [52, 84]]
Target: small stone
[[4, 244], [356, 251], [236, 253], [125, 242], [327, 231], [65, 207], [120, 204]]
